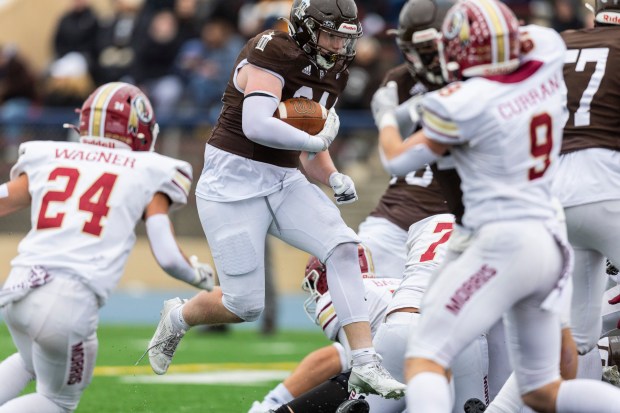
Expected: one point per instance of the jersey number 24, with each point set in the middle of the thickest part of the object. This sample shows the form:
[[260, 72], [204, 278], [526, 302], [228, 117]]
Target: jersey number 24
[[94, 200]]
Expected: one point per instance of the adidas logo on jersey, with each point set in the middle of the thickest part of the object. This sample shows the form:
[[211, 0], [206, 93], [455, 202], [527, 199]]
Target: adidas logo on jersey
[[307, 70]]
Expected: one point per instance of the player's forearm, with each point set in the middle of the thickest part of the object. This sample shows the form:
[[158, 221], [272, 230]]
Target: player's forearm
[[14, 195], [401, 157], [320, 167], [166, 250]]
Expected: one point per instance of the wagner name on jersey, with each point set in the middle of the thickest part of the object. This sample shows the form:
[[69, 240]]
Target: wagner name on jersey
[[86, 201]]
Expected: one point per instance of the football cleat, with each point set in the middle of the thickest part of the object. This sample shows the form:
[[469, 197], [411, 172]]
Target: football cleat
[[354, 406], [373, 378], [474, 405], [165, 340]]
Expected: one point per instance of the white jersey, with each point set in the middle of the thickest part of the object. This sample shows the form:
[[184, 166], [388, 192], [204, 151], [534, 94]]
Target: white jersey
[[427, 245], [378, 295], [86, 201], [505, 132]]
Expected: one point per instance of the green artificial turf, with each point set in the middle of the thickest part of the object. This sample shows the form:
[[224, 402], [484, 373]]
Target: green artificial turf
[[200, 355]]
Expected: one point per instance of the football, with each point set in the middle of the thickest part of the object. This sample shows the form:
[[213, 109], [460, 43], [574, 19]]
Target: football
[[302, 113]]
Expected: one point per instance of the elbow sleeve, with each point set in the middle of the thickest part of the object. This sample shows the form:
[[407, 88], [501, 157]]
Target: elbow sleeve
[[412, 159]]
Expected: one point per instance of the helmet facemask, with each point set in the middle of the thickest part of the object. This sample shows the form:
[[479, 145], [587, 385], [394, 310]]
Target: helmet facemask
[[421, 55], [327, 32], [328, 47], [314, 283]]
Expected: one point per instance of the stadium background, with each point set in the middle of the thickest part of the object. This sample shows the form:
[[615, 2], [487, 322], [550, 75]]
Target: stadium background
[[183, 139], [28, 26]]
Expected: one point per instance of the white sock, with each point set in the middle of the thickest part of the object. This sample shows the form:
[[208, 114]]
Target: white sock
[[508, 399], [589, 366], [178, 322], [14, 377], [429, 393], [363, 356], [280, 394], [587, 396]]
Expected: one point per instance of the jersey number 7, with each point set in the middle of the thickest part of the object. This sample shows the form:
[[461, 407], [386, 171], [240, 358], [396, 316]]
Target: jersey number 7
[[94, 200], [581, 57]]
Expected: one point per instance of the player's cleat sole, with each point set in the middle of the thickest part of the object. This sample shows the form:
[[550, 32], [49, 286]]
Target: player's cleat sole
[[354, 406], [474, 405], [375, 379]]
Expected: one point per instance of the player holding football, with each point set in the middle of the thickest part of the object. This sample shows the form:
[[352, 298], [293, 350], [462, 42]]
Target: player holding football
[[251, 186], [85, 200], [509, 258]]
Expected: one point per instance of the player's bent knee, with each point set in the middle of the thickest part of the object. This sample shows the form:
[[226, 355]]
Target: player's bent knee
[[247, 308]]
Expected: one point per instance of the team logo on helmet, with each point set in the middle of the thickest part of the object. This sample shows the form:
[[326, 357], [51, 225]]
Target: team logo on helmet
[[140, 112], [456, 25]]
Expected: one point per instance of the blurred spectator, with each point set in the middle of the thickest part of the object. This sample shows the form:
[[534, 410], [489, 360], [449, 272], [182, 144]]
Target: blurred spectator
[[17, 94], [365, 75], [115, 51], [188, 16], [67, 82], [262, 15], [566, 16], [206, 62], [157, 43], [77, 31]]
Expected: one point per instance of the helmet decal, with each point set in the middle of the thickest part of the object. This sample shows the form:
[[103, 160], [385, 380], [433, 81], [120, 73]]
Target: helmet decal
[[99, 107], [143, 109], [456, 26], [499, 29], [300, 11]]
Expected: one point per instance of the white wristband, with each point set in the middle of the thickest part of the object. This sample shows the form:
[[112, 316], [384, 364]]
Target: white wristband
[[4, 191], [388, 120]]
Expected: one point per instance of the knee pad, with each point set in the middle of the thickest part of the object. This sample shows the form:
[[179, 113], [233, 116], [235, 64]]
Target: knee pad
[[246, 307]]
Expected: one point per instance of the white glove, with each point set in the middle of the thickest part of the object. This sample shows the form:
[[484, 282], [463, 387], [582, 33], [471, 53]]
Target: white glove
[[204, 274], [384, 103], [414, 105], [329, 131], [344, 188]]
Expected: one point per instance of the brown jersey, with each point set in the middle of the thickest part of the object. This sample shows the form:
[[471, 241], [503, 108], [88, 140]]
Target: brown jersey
[[277, 52], [416, 196], [593, 89], [450, 183]]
